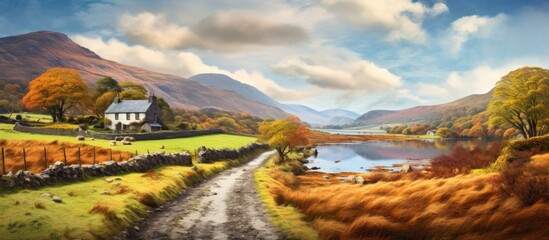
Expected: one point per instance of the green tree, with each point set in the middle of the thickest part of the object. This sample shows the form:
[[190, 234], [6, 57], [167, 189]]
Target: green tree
[[132, 95], [106, 84], [521, 100], [284, 135], [133, 86], [56, 91]]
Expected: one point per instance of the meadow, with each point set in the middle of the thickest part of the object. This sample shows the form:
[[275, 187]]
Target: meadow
[[453, 201], [169, 145], [95, 208]]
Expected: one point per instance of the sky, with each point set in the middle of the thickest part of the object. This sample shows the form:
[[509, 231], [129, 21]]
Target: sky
[[358, 55]]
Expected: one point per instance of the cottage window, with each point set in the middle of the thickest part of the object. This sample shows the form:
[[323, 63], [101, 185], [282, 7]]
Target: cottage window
[[127, 116], [136, 116], [116, 116]]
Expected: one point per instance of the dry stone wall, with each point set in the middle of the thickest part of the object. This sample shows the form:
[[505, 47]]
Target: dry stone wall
[[59, 172], [206, 155]]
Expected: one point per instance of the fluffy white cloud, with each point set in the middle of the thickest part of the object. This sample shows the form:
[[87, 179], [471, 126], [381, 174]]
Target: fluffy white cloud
[[184, 64], [224, 31], [153, 30], [340, 74], [470, 26], [395, 19]]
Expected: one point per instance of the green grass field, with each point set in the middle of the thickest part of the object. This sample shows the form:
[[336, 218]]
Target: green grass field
[[31, 117], [170, 145]]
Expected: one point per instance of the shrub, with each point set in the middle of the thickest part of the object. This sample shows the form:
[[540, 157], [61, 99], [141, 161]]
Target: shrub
[[18, 117], [461, 160], [528, 183]]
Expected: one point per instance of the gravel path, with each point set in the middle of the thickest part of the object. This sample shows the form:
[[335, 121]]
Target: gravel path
[[225, 207]]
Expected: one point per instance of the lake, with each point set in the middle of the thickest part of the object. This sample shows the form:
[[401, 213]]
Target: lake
[[361, 156], [351, 132]]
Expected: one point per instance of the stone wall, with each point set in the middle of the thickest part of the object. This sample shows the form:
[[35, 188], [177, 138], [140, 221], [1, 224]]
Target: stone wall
[[110, 136], [206, 155], [58, 172]]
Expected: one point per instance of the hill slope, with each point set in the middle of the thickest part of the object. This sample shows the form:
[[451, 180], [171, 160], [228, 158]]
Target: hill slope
[[465, 106], [24, 57]]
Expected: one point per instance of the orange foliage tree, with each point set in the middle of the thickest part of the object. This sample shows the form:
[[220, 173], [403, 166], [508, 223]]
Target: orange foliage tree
[[56, 91], [284, 135]]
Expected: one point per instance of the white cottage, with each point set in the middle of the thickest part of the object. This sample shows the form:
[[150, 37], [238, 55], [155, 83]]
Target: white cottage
[[122, 113]]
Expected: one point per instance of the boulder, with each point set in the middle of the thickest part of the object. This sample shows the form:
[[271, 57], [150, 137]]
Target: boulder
[[349, 179], [126, 142], [119, 138], [406, 168], [359, 180], [113, 143], [109, 180], [80, 138], [128, 139], [46, 195], [57, 199]]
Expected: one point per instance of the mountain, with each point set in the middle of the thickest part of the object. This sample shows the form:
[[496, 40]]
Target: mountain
[[25, 57], [340, 113], [428, 114], [340, 121], [306, 114]]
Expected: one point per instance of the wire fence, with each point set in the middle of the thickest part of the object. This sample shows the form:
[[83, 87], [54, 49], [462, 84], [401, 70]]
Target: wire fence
[[36, 159]]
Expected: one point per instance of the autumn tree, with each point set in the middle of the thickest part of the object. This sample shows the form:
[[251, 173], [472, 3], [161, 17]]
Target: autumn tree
[[103, 102], [284, 135], [521, 100], [444, 132], [56, 91]]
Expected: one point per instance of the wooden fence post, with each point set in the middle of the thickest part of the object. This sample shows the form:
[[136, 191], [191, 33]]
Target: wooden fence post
[[24, 160], [65, 156], [45, 159], [94, 156], [3, 163], [79, 162]]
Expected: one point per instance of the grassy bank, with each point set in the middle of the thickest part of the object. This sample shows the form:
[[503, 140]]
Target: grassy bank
[[170, 145], [287, 219], [96, 209]]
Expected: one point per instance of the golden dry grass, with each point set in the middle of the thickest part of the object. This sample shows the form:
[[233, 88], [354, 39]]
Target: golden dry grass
[[34, 151], [461, 207]]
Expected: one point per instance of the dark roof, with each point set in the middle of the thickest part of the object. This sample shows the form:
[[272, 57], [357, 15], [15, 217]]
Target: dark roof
[[129, 106]]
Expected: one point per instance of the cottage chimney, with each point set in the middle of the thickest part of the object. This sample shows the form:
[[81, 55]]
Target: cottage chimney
[[152, 98], [117, 99]]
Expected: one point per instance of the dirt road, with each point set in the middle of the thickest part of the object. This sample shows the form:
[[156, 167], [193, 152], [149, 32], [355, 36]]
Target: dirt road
[[225, 207]]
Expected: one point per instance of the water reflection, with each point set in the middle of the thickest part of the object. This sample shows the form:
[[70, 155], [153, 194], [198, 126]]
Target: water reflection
[[357, 157]]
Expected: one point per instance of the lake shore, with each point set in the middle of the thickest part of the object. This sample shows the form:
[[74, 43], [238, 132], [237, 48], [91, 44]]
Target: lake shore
[[318, 137]]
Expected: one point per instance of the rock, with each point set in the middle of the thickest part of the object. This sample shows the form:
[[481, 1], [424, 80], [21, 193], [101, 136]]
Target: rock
[[126, 142], [119, 138], [406, 168], [113, 143], [161, 147], [359, 180], [128, 139], [326, 177], [57, 199], [80, 138], [109, 180], [118, 179], [105, 193], [136, 228], [315, 168], [424, 172], [46, 195], [93, 139], [350, 179]]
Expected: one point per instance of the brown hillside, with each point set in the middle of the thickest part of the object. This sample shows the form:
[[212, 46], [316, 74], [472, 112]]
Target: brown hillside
[[475, 103], [24, 57]]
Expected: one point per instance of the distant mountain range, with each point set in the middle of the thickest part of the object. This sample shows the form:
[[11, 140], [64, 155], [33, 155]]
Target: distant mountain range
[[25, 57], [306, 114], [427, 114]]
